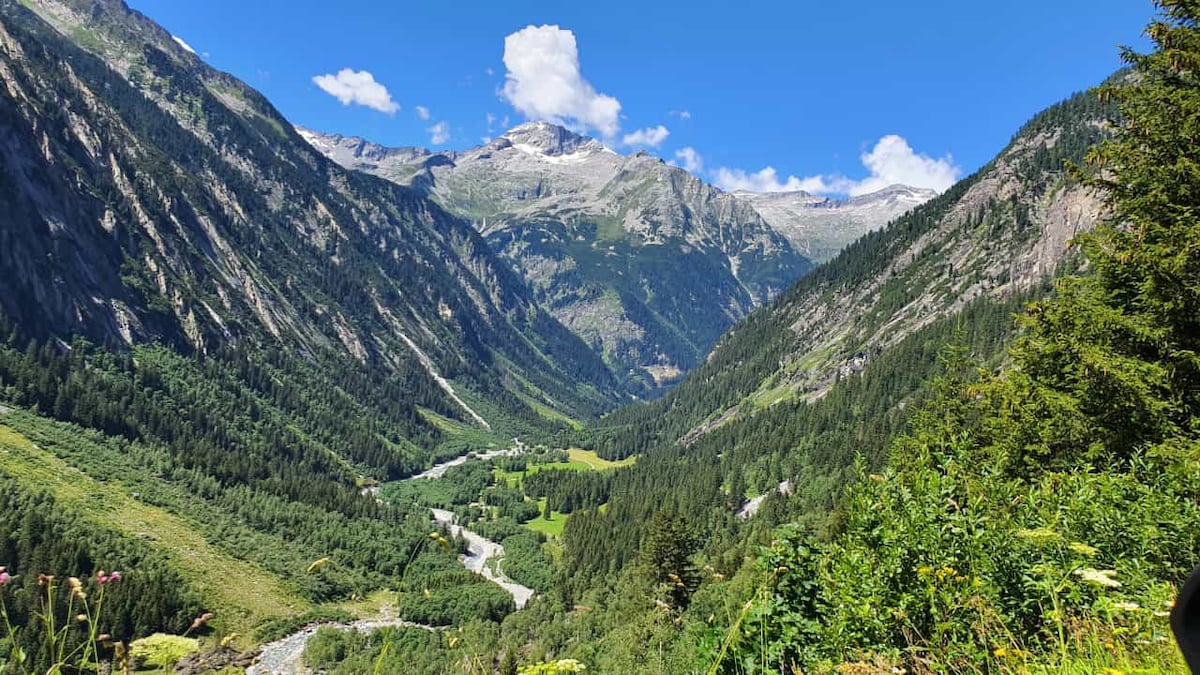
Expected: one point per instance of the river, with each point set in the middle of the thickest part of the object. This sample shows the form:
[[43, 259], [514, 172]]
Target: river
[[284, 656]]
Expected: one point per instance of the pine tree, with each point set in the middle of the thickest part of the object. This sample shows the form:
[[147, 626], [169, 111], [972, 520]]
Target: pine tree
[[665, 557], [1112, 364]]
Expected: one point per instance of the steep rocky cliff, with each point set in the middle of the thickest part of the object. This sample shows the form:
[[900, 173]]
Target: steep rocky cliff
[[644, 261], [150, 198]]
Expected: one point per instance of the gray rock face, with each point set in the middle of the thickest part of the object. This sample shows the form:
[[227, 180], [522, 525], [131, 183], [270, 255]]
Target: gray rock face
[[1001, 233], [820, 227], [148, 197], [644, 261]]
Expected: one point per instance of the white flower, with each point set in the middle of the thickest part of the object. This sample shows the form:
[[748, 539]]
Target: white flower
[[1099, 577]]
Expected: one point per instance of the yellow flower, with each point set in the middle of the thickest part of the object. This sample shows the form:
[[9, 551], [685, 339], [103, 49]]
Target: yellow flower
[[924, 571], [1000, 652]]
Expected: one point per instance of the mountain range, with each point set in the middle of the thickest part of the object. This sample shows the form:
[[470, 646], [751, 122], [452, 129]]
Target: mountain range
[[642, 260], [226, 342], [820, 227]]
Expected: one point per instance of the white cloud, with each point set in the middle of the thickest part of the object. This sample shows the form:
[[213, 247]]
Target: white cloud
[[681, 114], [489, 71], [178, 40], [439, 133], [422, 112], [891, 161], [351, 86], [650, 136], [689, 159], [767, 180], [543, 81]]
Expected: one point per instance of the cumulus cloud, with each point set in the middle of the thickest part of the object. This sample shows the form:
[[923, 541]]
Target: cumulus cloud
[[681, 114], [690, 159], [767, 180], [179, 41], [543, 81], [439, 133], [891, 161], [357, 86], [422, 112], [650, 136]]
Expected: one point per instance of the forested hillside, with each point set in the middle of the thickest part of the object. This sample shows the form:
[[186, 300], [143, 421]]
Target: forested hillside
[[968, 443], [227, 340], [831, 370], [1036, 511]]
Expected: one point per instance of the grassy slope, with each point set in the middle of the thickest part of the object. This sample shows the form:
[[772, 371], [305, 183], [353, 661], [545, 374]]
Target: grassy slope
[[241, 594]]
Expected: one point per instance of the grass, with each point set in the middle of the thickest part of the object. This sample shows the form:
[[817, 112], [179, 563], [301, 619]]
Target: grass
[[597, 462], [550, 528], [370, 607], [577, 460], [240, 593], [513, 478]]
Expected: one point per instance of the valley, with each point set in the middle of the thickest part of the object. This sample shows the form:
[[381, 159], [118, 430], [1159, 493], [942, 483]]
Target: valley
[[563, 400]]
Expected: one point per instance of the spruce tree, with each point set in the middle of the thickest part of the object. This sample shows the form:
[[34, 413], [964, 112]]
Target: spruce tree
[[1112, 364]]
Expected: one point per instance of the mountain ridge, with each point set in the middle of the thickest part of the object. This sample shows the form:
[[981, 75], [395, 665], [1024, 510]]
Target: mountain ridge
[[627, 251], [168, 232]]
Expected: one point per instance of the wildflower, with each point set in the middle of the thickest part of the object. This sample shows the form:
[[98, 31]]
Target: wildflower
[[1112, 671], [104, 637], [81, 618], [76, 587], [5, 577], [1082, 548], [1126, 606], [1161, 613], [1099, 577], [103, 577], [924, 571], [945, 572], [1000, 652], [44, 579]]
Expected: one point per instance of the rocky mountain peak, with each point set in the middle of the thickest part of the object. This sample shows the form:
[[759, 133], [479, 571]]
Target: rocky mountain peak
[[896, 193], [544, 138]]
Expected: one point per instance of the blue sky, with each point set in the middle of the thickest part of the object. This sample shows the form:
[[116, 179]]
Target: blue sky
[[840, 97]]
